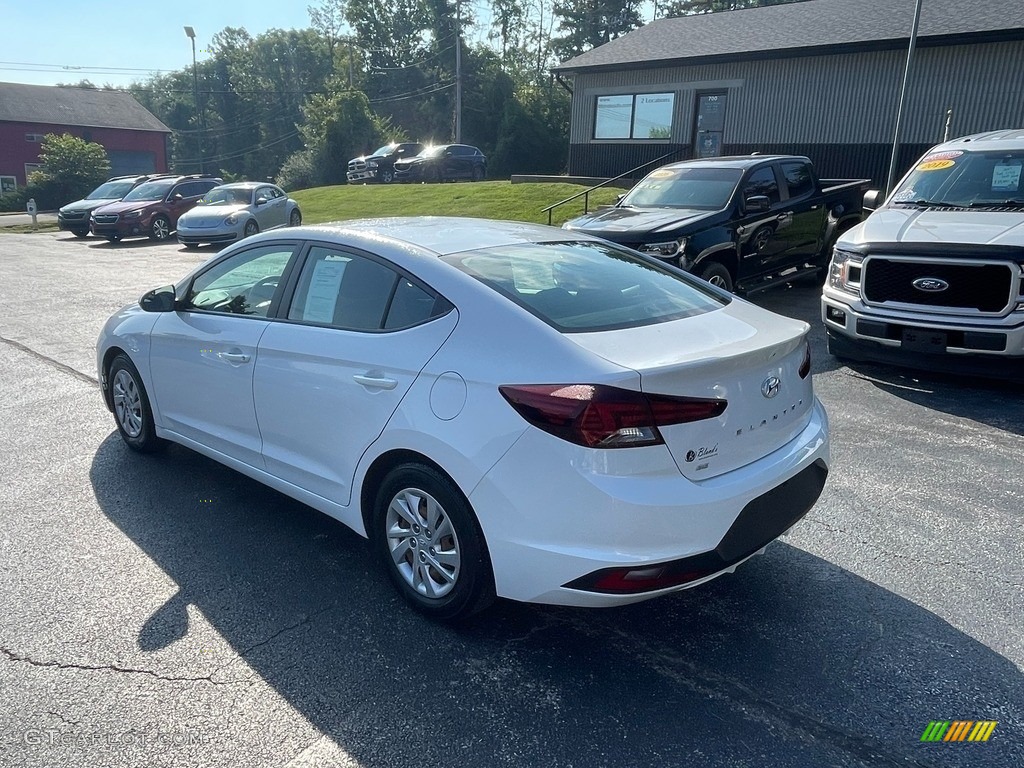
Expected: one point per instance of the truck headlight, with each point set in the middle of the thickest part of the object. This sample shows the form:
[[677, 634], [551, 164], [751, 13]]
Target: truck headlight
[[845, 270], [666, 249], [371, 164]]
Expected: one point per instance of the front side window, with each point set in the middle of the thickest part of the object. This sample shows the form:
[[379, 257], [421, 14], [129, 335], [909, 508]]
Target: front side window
[[244, 284], [967, 179], [643, 116], [351, 292], [587, 286], [762, 183]]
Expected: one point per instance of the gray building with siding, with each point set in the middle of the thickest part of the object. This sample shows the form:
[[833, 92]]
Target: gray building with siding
[[819, 78]]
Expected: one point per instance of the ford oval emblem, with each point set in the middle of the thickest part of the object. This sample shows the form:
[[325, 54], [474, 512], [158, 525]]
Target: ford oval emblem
[[930, 284], [770, 386]]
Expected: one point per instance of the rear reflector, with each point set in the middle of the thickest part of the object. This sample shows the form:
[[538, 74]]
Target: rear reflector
[[598, 416]]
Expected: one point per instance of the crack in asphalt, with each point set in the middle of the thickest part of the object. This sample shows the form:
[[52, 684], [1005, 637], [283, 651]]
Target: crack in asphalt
[[17, 657], [900, 556], [305, 619], [754, 705], [50, 361]]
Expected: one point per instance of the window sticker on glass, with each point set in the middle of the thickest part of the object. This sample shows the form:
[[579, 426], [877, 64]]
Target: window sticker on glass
[[936, 165], [1006, 177], [323, 290], [904, 194], [950, 155]]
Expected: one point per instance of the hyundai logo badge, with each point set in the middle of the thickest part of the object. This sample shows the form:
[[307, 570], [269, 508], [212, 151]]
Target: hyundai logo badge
[[930, 284], [770, 386]]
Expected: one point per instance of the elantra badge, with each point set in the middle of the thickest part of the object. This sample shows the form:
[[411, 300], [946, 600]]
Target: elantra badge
[[930, 284], [770, 386]]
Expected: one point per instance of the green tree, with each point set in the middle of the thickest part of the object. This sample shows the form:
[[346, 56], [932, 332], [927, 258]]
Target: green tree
[[339, 126], [589, 23], [691, 7], [71, 168]]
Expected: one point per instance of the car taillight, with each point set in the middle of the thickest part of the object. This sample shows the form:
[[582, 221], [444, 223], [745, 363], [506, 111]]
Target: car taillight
[[805, 366], [599, 416]]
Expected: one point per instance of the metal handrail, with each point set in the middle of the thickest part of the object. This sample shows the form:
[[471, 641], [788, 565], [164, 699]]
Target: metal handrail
[[585, 194]]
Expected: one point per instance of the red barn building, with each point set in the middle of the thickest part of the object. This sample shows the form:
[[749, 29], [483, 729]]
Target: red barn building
[[136, 142]]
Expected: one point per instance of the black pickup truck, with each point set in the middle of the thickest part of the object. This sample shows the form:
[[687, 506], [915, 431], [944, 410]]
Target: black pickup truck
[[380, 164], [741, 223]]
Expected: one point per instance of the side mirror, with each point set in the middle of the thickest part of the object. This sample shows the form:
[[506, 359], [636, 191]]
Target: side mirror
[[177, 197], [757, 203], [871, 199], [158, 300], [261, 201], [618, 198]]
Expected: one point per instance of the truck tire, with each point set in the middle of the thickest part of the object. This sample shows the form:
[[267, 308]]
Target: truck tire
[[716, 273], [387, 176]]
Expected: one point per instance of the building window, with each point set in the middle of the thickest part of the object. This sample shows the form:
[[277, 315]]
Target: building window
[[640, 116], [31, 168], [8, 185], [35, 138]]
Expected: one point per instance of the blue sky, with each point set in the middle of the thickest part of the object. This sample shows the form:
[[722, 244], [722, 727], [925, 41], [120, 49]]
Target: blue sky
[[118, 42]]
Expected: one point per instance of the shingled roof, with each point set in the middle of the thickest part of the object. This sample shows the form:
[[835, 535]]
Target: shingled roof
[[86, 107], [813, 26]]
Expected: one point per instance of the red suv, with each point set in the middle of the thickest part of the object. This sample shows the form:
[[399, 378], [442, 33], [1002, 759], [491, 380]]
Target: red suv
[[151, 209]]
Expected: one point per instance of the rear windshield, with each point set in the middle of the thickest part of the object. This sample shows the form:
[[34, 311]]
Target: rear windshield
[[111, 190], [151, 190], [961, 178], [704, 188], [586, 286]]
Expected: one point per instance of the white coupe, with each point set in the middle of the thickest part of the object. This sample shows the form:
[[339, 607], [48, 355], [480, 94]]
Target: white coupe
[[504, 409]]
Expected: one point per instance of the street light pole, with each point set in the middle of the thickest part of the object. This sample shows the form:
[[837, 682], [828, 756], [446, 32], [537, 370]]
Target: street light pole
[[903, 97], [191, 33]]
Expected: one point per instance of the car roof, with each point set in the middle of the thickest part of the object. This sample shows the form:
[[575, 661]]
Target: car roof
[[444, 235], [733, 161], [994, 141]]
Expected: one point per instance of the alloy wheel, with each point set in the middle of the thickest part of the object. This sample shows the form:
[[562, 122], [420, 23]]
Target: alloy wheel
[[423, 543], [127, 403]]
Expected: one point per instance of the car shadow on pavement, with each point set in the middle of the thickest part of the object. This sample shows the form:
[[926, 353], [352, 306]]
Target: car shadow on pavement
[[790, 661]]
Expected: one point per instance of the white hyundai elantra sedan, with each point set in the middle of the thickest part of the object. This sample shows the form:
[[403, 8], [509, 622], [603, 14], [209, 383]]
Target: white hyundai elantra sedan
[[504, 409]]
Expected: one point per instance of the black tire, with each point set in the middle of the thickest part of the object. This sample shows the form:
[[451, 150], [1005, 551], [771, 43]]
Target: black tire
[[295, 219], [478, 173], [80, 232], [132, 412], [160, 229], [468, 584], [251, 228], [387, 176], [716, 273]]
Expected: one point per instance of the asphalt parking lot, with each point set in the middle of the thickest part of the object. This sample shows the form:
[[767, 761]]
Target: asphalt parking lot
[[164, 610]]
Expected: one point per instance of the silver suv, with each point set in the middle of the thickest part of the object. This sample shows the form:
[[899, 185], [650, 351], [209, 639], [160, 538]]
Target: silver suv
[[934, 278]]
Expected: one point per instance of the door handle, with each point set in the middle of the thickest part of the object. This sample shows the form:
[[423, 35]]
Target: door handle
[[234, 357], [375, 382]]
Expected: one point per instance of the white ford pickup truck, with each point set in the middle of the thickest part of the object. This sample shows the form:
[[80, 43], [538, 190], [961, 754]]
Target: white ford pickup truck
[[934, 279]]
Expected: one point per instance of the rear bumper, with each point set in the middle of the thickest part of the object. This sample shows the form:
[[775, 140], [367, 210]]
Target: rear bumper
[[554, 522]]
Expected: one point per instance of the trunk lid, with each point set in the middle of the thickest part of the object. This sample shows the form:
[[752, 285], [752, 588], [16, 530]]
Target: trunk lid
[[732, 353]]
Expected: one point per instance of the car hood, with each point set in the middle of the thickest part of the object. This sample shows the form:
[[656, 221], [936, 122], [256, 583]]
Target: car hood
[[122, 206], [217, 212], [412, 161], [617, 222], [935, 225], [88, 205]]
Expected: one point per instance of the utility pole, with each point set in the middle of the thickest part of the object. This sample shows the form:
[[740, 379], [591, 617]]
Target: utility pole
[[458, 72], [191, 33], [903, 97]]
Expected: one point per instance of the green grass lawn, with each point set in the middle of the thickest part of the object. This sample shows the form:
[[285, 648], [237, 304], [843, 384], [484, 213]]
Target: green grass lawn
[[486, 199]]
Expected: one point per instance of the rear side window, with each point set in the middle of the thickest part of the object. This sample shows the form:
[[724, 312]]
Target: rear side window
[[798, 178], [588, 286], [351, 292]]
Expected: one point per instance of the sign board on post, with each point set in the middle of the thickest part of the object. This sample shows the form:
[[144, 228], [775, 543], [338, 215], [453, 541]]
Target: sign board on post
[[31, 208]]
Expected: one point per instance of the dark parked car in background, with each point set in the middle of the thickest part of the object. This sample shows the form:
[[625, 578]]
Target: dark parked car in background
[[74, 217], [380, 164], [151, 209], [445, 162]]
